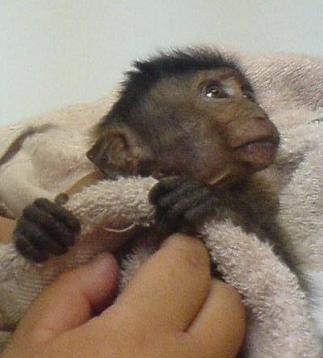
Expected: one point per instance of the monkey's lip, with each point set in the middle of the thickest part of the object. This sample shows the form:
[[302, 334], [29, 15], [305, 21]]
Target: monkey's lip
[[262, 142], [259, 153], [258, 144]]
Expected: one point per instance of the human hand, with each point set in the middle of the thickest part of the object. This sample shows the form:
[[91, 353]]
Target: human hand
[[171, 308]]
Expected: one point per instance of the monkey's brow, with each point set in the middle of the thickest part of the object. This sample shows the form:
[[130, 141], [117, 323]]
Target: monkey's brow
[[245, 85], [225, 76]]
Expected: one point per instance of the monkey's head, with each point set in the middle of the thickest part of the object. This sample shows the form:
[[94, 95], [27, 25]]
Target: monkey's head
[[186, 113]]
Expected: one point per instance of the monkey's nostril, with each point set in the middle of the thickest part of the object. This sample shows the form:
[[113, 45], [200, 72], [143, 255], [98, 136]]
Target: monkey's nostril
[[262, 118]]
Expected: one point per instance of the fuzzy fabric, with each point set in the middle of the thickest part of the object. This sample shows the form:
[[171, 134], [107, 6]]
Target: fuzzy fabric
[[50, 151]]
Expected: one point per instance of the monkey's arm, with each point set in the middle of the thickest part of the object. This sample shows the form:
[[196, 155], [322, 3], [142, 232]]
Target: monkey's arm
[[46, 227], [106, 206], [183, 204]]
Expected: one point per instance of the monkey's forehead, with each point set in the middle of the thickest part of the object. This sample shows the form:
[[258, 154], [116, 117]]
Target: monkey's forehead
[[220, 75], [186, 82]]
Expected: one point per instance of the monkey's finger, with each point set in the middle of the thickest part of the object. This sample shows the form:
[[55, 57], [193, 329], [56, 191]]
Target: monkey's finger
[[70, 301], [203, 211], [60, 213], [161, 290], [224, 311], [39, 239], [185, 203], [27, 250], [163, 227], [50, 225], [164, 186], [185, 190]]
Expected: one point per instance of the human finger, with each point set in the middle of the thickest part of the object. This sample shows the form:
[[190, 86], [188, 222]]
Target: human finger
[[221, 323], [170, 287]]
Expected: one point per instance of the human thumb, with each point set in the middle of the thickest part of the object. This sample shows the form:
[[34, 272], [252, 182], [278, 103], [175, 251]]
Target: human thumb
[[71, 300]]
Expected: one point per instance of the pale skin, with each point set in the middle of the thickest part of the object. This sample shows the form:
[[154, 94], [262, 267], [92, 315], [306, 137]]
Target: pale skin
[[171, 308]]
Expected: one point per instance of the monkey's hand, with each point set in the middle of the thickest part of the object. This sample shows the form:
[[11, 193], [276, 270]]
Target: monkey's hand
[[182, 203], [45, 228]]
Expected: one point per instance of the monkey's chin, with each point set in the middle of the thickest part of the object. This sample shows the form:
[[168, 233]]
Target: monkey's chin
[[258, 155]]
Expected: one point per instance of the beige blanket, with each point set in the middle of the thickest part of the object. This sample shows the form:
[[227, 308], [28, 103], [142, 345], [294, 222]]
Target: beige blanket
[[51, 157]]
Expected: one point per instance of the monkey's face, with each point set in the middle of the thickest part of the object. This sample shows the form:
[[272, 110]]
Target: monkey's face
[[204, 124], [209, 126]]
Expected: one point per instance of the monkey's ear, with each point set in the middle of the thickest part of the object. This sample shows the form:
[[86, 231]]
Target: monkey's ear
[[120, 152]]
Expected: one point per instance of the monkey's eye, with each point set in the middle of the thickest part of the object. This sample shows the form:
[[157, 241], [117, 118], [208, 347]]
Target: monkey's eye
[[214, 91]]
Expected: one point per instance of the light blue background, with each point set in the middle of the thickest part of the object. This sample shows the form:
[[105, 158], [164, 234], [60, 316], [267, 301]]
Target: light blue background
[[59, 52]]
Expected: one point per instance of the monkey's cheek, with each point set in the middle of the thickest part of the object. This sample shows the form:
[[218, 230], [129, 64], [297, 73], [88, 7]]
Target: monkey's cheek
[[257, 155]]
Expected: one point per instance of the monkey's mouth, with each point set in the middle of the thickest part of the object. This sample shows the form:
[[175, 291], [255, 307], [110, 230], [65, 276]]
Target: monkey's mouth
[[258, 144], [258, 153]]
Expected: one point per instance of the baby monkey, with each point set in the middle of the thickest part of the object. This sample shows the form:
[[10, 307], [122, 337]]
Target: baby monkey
[[190, 119]]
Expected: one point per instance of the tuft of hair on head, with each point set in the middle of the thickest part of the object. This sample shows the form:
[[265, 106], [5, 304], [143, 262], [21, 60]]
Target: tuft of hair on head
[[147, 73], [179, 61]]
